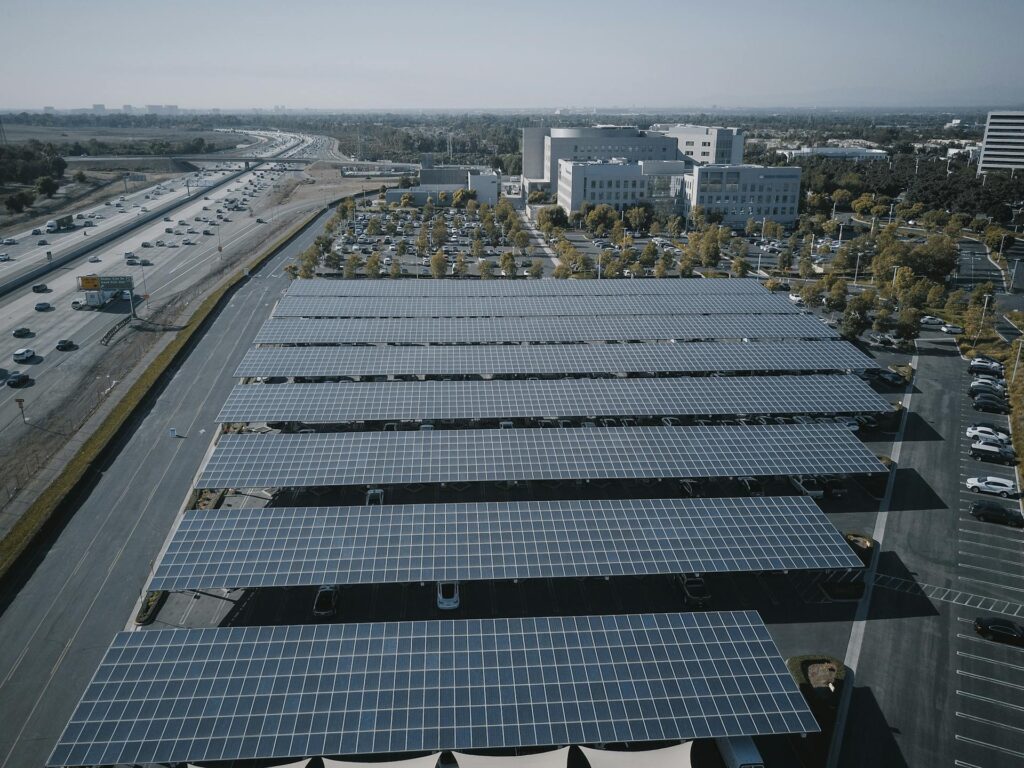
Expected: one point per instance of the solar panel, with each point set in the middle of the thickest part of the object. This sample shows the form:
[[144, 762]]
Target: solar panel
[[526, 306], [637, 287], [578, 359], [491, 455], [177, 695], [285, 547], [539, 329], [564, 398]]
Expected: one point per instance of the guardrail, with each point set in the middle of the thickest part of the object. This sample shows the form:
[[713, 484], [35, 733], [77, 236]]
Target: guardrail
[[100, 240]]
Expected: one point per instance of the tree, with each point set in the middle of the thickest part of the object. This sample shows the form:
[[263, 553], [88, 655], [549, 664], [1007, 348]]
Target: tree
[[552, 217], [486, 269], [461, 197], [47, 185], [477, 249], [80, 177], [406, 201], [908, 323], [853, 324], [352, 265], [471, 206], [18, 202], [520, 240], [835, 301], [883, 320], [438, 265], [396, 269], [373, 266], [649, 254], [751, 227], [637, 217], [740, 267], [811, 294], [508, 264], [660, 270], [997, 239], [401, 248], [460, 268], [805, 267], [536, 269], [373, 226]]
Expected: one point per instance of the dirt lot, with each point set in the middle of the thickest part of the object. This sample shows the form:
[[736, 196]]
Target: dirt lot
[[328, 184]]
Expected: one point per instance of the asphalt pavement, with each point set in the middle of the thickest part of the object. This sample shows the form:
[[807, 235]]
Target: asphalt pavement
[[61, 610]]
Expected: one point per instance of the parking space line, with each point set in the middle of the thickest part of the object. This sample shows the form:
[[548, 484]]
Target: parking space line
[[994, 681], [990, 700], [1004, 750], [986, 721], [991, 535], [993, 559], [997, 662], [988, 643], [991, 584], [962, 764], [946, 595], [987, 546]]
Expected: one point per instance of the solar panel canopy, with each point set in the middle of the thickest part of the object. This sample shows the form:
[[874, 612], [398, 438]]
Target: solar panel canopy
[[493, 455], [486, 330], [526, 306], [563, 398], [171, 696], [304, 546], [577, 359], [636, 287]]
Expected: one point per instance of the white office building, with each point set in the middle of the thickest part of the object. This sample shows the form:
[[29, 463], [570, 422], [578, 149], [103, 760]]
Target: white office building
[[704, 144], [741, 192], [623, 184], [485, 183], [543, 148], [1003, 145]]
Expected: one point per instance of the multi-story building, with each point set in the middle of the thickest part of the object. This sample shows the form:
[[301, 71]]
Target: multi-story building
[[622, 184], [485, 183], [704, 144], [543, 148], [741, 192], [1003, 145]]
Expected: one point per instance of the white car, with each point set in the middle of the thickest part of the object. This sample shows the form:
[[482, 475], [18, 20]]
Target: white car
[[999, 486], [795, 298], [23, 355], [987, 432], [932, 320], [448, 595], [956, 330]]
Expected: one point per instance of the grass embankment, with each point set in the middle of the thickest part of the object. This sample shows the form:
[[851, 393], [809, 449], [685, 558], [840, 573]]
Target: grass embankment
[[43, 508]]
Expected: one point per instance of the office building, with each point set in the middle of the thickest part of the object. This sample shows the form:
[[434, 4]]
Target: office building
[[485, 183], [704, 144], [741, 192], [543, 148], [1003, 145], [623, 184]]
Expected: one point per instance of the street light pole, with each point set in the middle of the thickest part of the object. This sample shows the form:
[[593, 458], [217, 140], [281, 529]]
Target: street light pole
[[981, 323]]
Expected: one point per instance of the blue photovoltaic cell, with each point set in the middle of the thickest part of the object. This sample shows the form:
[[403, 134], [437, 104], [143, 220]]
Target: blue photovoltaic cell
[[304, 546], [564, 398], [191, 695], [490, 455], [543, 359]]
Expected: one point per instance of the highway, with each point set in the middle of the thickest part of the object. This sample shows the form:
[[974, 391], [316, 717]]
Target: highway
[[60, 613], [65, 385]]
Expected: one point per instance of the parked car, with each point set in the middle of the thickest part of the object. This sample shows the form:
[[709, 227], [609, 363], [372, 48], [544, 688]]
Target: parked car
[[990, 404], [883, 376], [999, 486], [979, 387], [987, 512], [325, 604], [984, 450], [1000, 630], [932, 320], [695, 591], [983, 430], [985, 366], [956, 330], [448, 595]]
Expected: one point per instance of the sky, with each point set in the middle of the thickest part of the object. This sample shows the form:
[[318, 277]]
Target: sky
[[409, 54]]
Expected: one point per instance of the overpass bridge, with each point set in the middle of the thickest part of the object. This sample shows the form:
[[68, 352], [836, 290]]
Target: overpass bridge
[[248, 160]]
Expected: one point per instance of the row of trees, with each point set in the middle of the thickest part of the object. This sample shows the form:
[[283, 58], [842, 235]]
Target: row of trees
[[24, 163]]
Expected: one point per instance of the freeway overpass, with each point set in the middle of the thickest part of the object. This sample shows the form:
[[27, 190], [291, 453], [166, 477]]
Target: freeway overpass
[[247, 159]]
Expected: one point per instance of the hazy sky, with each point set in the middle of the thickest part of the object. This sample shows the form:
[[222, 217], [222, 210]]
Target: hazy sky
[[365, 54]]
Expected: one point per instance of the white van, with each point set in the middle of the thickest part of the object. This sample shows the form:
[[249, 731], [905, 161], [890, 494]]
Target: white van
[[739, 752]]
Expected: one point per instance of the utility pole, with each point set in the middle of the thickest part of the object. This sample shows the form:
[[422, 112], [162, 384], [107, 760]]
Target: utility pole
[[21, 401], [981, 323]]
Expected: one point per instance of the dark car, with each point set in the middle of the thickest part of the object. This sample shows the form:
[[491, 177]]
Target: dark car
[[988, 512], [882, 376], [21, 333], [991, 404], [325, 604], [695, 591], [65, 345], [1000, 630], [40, 288], [17, 379]]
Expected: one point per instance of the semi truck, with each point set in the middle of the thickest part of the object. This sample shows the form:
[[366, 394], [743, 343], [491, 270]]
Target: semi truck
[[61, 223]]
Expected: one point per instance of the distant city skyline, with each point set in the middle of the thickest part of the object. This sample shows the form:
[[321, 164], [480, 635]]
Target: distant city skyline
[[530, 55]]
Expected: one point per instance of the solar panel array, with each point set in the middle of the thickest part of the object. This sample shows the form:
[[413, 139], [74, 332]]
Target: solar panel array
[[465, 288], [538, 329], [177, 695], [274, 547], [563, 398], [577, 359], [491, 455], [495, 306]]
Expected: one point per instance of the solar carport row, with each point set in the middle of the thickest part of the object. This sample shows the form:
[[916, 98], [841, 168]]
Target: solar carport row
[[561, 398], [496, 455], [429, 288], [177, 695], [304, 546], [488, 330], [527, 306], [569, 359]]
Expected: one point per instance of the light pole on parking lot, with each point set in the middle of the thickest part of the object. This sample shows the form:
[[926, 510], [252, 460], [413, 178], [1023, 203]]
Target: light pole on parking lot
[[981, 323]]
